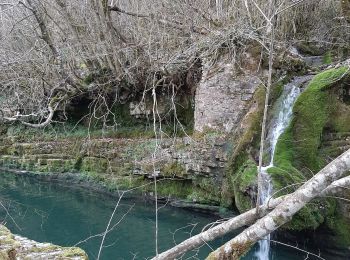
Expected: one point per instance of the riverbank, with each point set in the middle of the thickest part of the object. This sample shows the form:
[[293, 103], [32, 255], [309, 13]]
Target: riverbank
[[79, 181]]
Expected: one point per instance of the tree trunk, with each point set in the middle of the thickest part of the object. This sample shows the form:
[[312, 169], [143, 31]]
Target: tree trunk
[[335, 169], [284, 212]]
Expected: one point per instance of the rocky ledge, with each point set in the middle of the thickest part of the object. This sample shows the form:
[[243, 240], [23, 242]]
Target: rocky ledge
[[16, 247]]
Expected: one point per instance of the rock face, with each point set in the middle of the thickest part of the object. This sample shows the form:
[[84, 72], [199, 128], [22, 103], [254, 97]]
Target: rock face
[[223, 98], [15, 247], [191, 169]]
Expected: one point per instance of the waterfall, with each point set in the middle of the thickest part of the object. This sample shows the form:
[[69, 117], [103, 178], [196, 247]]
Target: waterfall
[[279, 123]]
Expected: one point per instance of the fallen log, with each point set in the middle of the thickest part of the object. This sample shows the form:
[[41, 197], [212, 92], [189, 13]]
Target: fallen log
[[249, 217]]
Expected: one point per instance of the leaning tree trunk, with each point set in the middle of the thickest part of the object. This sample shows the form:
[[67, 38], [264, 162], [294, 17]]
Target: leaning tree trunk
[[244, 219], [284, 212]]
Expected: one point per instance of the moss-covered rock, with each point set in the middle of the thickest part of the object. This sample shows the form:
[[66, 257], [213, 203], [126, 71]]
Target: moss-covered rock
[[16, 247], [340, 226], [245, 182], [298, 146], [94, 164], [173, 169], [297, 156]]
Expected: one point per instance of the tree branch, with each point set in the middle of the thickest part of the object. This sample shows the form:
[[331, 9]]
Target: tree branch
[[239, 221], [284, 212]]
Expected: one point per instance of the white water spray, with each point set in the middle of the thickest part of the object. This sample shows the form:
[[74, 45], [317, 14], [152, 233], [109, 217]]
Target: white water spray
[[279, 124]]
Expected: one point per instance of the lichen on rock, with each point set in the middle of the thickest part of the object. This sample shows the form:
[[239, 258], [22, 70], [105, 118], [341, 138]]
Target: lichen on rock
[[17, 247]]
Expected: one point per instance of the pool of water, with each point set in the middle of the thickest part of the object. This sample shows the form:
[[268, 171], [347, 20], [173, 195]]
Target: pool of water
[[49, 212]]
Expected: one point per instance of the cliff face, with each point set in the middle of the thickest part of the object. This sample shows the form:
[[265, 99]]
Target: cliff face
[[190, 168], [223, 98], [16, 247]]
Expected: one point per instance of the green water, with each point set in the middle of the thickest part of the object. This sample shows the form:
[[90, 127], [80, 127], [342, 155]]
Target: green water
[[48, 212]]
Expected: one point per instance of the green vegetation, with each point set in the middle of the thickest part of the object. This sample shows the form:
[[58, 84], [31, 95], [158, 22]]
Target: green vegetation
[[297, 152], [242, 168], [11, 243], [244, 182], [327, 58], [298, 146], [341, 228], [173, 169]]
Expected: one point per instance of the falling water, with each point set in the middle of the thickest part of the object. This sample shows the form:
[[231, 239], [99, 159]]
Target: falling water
[[278, 125]]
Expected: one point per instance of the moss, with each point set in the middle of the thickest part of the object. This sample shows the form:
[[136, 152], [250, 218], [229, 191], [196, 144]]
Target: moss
[[173, 169], [340, 226], [238, 251], [96, 177], [242, 171], [6, 236], [203, 197], [250, 136], [339, 120], [327, 58], [207, 184], [94, 164], [74, 251], [299, 144], [7, 239], [46, 248], [244, 182], [297, 154], [78, 163], [311, 216], [206, 191], [126, 183], [227, 195], [55, 165], [173, 188], [287, 180]]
